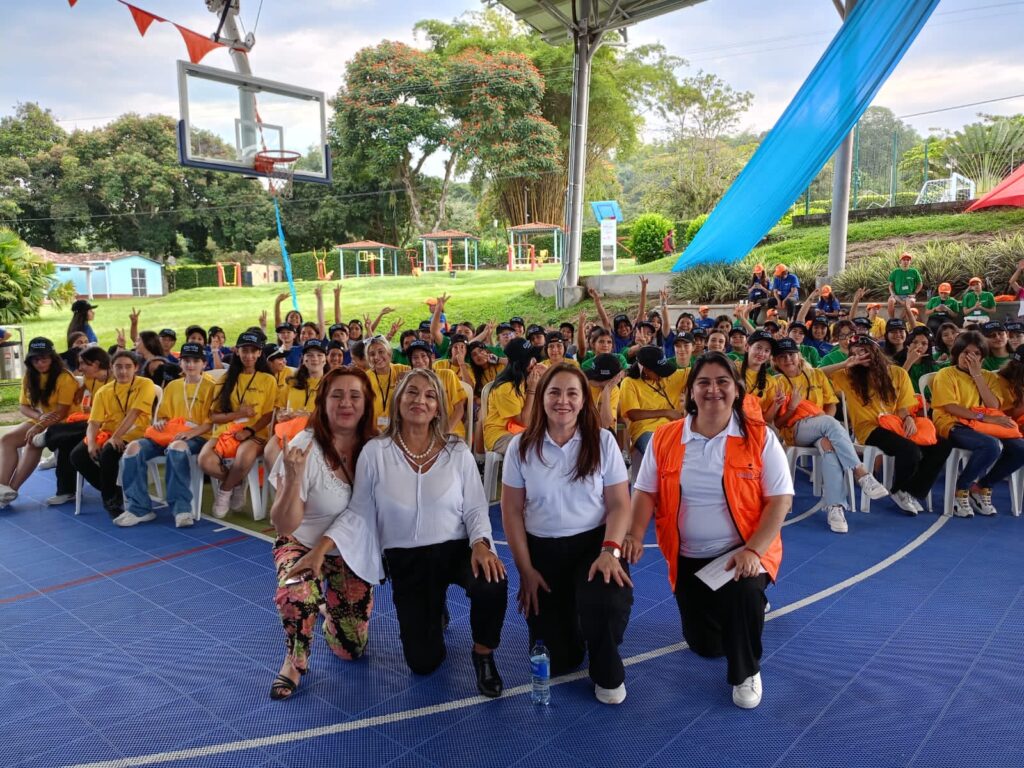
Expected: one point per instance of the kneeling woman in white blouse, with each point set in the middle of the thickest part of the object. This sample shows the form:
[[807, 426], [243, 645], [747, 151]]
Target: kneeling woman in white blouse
[[420, 488], [565, 509]]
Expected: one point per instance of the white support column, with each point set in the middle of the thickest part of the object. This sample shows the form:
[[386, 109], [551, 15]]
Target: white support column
[[842, 167]]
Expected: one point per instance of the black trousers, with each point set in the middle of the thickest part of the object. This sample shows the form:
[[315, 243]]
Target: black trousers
[[789, 304], [916, 466], [420, 577], [726, 623], [101, 475], [579, 615], [62, 439]]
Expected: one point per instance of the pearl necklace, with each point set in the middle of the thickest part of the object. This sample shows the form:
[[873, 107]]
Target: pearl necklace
[[410, 454]]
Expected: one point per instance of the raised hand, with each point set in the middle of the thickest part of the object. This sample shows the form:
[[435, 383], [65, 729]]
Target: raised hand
[[295, 459], [337, 289], [120, 338], [134, 315], [644, 280], [280, 297], [663, 295]]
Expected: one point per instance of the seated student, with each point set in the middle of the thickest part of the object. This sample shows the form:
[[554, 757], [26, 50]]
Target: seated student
[[568, 331], [48, 392], [757, 292], [604, 376], [602, 343], [895, 338], [941, 308], [756, 373], [286, 344], [554, 351], [904, 285], [355, 330], [798, 332], [968, 412], [806, 417], [421, 356], [121, 411], [243, 405], [168, 338], [700, 341], [737, 344], [999, 350], [1014, 334], [944, 340], [827, 306], [484, 366], [457, 361], [977, 304], [683, 347], [150, 352], [819, 338], [684, 323], [651, 395], [337, 355], [400, 354], [77, 341], [785, 290], [703, 320], [1009, 386], [295, 401], [841, 333], [307, 331], [916, 358], [357, 350], [644, 335], [220, 353], [184, 411], [384, 376], [512, 397], [875, 386], [274, 357], [717, 342], [877, 323], [293, 317]]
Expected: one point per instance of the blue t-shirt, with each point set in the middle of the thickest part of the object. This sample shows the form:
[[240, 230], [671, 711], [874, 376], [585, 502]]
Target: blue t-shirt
[[622, 343], [707, 323], [831, 304], [821, 345], [90, 334], [293, 359], [784, 285]]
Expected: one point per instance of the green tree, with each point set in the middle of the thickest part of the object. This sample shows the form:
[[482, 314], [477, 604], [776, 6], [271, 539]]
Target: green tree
[[25, 280], [646, 234], [986, 151]]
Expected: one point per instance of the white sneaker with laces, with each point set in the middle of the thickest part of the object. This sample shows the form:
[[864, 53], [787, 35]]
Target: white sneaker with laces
[[221, 501], [610, 695], [60, 498], [747, 694], [837, 520], [127, 519], [981, 500], [183, 520], [48, 463], [873, 489], [39, 439], [906, 502], [7, 495], [962, 505], [238, 497]]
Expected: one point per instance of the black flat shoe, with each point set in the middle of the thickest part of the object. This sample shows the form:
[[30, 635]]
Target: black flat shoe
[[282, 688], [488, 681]]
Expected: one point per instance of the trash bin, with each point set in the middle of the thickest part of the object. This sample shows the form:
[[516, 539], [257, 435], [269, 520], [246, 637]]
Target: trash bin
[[11, 366]]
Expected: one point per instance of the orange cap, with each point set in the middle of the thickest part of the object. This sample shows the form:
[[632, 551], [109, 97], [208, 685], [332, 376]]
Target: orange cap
[[703, 308], [758, 269], [945, 287], [431, 301], [772, 313], [974, 280], [906, 255], [874, 305], [826, 290], [780, 268]]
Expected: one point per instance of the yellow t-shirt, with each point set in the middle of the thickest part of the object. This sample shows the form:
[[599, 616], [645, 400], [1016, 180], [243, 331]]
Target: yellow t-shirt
[[951, 386], [191, 402], [453, 395], [595, 392], [113, 401], [643, 395], [1002, 389], [384, 387], [813, 385], [282, 376], [448, 365], [502, 404], [765, 397], [877, 328], [566, 360], [294, 399], [258, 390], [864, 416], [65, 393]]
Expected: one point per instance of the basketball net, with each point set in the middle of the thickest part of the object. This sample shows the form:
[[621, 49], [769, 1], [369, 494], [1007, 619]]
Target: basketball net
[[278, 165]]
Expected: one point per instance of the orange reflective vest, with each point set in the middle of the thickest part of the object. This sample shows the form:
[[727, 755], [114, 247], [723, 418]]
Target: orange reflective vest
[[741, 482]]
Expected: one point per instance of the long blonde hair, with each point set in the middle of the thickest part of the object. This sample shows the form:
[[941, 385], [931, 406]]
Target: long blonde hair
[[439, 424]]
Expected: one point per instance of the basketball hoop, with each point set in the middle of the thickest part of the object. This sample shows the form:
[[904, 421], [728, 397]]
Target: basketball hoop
[[278, 165]]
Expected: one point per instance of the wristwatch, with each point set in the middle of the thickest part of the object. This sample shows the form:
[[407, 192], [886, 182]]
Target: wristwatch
[[980, 415], [484, 539], [613, 548]]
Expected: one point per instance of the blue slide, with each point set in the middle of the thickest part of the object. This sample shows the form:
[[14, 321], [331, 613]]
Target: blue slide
[[863, 54]]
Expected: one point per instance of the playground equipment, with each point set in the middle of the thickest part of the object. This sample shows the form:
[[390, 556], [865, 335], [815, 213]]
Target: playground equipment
[[370, 257], [321, 266], [442, 244], [956, 187], [523, 255], [235, 281]]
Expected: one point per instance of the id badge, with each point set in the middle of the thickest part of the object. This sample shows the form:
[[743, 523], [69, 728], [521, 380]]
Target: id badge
[[191, 424], [382, 422]]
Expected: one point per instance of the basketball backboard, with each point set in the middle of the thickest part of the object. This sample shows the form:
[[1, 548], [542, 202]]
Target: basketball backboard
[[227, 118]]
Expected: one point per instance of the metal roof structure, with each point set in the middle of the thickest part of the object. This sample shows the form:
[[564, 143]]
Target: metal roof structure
[[554, 20]]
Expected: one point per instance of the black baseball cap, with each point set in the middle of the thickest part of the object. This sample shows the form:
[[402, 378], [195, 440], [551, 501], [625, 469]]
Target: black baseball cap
[[820, 321], [335, 345], [553, 337], [195, 329], [621, 319], [272, 352], [702, 332], [502, 327], [797, 327], [459, 338], [249, 339], [919, 330], [520, 351], [760, 335], [606, 366], [862, 340], [418, 346], [285, 327], [169, 333], [424, 325], [862, 322], [39, 347], [533, 330], [192, 350], [1018, 354], [653, 359], [314, 345], [783, 346], [82, 306], [992, 327], [684, 336], [516, 320], [648, 325], [771, 324], [895, 324], [1013, 327], [737, 331], [337, 327]]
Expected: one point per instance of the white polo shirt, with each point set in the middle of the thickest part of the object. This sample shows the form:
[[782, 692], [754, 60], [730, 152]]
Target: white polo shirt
[[556, 506], [707, 528]]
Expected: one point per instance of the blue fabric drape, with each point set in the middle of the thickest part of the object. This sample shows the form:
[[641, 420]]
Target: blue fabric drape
[[284, 256], [859, 59]]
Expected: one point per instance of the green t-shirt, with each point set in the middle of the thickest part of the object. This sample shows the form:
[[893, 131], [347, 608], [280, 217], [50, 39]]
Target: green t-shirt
[[905, 282], [835, 356], [810, 354], [588, 361], [917, 370], [735, 357], [972, 299], [441, 350], [398, 356], [950, 304], [991, 363]]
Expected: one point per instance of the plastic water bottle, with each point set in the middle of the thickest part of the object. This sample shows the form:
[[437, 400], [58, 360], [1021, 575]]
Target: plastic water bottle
[[540, 667]]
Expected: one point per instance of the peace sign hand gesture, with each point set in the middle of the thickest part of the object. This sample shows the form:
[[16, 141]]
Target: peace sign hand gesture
[[295, 460]]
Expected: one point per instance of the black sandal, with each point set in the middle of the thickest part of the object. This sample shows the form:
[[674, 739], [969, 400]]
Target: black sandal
[[282, 688]]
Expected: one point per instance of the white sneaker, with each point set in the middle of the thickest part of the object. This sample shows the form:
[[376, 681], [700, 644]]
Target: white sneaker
[[60, 498], [837, 520], [127, 519], [962, 505], [873, 489], [221, 501], [7, 495], [747, 694], [48, 463], [610, 695], [237, 502], [39, 440], [906, 502], [183, 520], [981, 500]]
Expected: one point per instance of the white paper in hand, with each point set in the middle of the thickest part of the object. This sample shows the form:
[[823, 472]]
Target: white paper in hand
[[714, 574]]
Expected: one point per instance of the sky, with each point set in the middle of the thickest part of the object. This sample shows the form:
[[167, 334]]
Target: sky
[[88, 64]]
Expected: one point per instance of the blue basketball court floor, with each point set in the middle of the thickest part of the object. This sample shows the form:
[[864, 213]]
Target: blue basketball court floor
[[898, 644]]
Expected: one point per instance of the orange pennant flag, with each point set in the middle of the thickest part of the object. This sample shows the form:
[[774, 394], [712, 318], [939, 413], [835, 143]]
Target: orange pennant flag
[[142, 18], [72, 3], [198, 45]]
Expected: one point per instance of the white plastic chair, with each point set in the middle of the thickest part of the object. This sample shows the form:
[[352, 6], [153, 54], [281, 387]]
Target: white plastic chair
[[467, 418], [492, 460], [216, 374], [796, 452], [257, 497]]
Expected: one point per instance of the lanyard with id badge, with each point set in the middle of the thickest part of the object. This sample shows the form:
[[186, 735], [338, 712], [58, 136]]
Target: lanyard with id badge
[[383, 420]]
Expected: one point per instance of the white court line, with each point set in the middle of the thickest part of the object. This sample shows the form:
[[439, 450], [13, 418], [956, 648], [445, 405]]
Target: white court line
[[225, 525], [472, 701]]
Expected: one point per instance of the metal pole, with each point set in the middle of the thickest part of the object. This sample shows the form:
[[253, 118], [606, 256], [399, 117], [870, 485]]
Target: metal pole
[[926, 161], [856, 167], [893, 183], [842, 166], [341, 264]]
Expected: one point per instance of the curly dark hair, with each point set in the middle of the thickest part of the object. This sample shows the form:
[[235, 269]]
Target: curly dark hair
[[873, 378]]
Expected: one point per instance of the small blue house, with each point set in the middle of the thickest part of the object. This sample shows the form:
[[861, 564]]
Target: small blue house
[[121, 274]]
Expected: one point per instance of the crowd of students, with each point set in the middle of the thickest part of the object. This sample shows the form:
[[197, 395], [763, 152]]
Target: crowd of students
[[363, 436]]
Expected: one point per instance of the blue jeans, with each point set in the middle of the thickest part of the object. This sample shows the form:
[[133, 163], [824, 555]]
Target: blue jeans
[[135, 483], [835, 463], [640, 446], [994, 458]]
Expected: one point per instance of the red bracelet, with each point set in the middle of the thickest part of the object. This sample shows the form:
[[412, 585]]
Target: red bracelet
[[751, 549], [611, 543]]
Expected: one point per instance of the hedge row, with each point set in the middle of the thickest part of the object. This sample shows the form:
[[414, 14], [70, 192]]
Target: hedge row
[[590, 247]]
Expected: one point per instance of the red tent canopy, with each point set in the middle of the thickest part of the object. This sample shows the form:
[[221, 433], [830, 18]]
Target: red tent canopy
[[1010, 191]]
